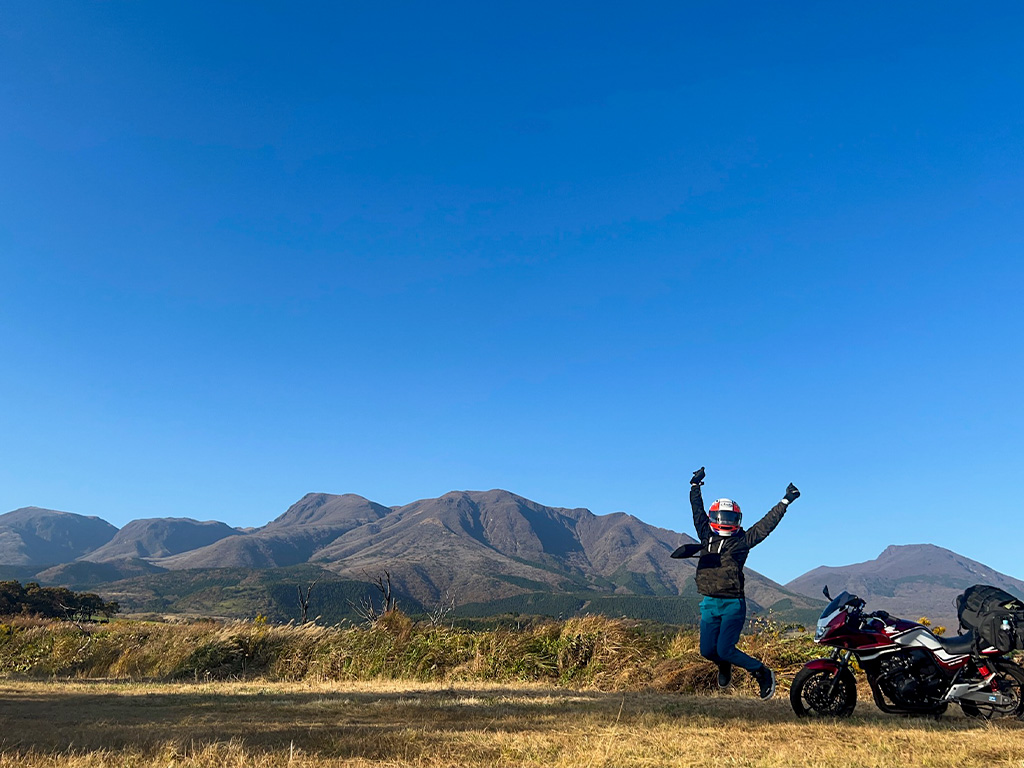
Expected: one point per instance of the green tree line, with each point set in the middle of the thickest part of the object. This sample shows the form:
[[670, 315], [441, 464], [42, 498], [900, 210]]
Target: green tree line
[[52, 602]]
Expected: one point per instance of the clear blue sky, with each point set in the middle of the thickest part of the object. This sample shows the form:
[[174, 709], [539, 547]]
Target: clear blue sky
[[249, 251]]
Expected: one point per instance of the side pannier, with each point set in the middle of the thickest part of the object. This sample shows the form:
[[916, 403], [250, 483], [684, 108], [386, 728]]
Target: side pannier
[[996, 616]]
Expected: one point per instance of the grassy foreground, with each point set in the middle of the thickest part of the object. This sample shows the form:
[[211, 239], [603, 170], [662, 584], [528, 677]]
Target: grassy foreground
[[588, 652], [591, 691], [430, 725]]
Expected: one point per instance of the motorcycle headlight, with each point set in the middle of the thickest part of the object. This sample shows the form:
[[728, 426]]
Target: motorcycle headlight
[[823, 624]]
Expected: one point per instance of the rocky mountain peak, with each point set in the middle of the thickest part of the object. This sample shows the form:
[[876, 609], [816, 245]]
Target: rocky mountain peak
[[909, 580], [37, 536], [325, 509]]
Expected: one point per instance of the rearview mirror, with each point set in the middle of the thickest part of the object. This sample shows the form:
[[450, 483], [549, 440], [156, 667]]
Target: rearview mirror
[[825, 593]]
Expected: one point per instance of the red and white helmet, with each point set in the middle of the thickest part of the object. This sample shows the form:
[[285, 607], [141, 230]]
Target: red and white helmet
[[725, 517]]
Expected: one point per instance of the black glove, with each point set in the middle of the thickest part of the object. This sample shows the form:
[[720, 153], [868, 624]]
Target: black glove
[[698, 477], [792, 493]]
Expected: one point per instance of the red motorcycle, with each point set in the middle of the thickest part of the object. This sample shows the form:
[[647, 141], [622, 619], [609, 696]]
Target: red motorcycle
[[910, 670]]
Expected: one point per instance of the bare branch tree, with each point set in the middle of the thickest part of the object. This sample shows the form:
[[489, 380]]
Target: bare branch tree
[[440, 613], [304, 599], [388, 601], [368, 610]]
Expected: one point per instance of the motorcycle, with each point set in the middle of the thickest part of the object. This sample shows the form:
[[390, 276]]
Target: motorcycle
[[909, 669]]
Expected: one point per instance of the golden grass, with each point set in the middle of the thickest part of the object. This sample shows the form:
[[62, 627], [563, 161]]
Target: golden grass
[[432, 725], [590, 651]]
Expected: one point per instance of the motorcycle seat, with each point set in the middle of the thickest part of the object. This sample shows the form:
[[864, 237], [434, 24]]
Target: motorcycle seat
[[959, 644]]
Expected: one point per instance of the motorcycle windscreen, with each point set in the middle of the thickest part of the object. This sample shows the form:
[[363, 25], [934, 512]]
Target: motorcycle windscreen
[[838, 602]]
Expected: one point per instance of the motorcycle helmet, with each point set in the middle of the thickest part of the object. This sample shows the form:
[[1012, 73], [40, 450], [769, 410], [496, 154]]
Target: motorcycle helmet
[[725, 517]]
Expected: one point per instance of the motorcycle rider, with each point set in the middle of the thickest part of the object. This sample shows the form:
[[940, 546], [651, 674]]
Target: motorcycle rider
[[723, 549]]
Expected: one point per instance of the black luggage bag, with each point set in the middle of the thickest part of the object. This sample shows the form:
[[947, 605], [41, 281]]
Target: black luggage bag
[[996, 616]]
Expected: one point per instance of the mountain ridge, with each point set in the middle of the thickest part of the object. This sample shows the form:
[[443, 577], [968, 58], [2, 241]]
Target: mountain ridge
[[478, 548], [909, 580], [160, 537], [34, 536]]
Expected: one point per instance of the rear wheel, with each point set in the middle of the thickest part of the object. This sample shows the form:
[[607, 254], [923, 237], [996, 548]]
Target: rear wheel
[[1009, 681], [817, 693]]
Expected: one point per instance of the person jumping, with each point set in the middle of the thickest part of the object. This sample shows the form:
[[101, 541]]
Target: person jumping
[[723, 549]]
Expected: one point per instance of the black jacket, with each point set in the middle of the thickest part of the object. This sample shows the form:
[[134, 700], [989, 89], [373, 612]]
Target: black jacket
[[720, 567]]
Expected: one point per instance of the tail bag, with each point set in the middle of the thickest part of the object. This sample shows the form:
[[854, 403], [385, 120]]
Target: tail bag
[[996, 616]]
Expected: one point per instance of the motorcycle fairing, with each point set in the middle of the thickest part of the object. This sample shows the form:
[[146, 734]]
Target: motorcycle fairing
[[920, 637]]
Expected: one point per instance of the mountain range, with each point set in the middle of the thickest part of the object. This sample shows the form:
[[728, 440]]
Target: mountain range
[[486, 552], [909, 581]]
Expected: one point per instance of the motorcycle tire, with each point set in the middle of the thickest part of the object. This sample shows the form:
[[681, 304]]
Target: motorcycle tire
[[1012, 677], [809, 693]]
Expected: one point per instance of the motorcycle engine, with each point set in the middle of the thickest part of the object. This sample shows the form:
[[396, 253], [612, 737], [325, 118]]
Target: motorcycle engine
[[910, 678]]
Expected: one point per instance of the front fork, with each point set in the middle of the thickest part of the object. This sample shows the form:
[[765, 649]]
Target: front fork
[[842, 659], [838, 661]]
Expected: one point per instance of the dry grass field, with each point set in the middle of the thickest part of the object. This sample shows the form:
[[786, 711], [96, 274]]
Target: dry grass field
[[109, 723], [590, 691]]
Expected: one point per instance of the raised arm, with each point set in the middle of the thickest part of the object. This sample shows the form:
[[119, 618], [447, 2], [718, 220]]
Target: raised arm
[[700, 515], [759, 531]]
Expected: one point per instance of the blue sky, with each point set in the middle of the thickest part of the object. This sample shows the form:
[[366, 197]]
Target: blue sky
[[249, 251]]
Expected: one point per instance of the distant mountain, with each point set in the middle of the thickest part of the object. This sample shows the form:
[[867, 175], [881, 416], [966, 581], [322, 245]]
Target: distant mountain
[[40, 537], [911, 581], [295, 537], [325, 510], [160, 537], [494, 544], [487, 551], [485, 546]]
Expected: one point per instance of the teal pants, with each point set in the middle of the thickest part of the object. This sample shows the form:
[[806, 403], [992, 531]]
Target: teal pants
[[721, 619]]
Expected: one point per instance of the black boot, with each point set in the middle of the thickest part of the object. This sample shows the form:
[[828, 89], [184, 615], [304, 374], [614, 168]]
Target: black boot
[[724, 676], [765, 681]]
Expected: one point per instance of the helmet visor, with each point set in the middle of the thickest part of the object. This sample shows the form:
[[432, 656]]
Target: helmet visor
[[726, 517]]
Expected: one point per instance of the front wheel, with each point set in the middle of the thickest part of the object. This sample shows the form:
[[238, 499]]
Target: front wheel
[[817, 693], [1009, 681]]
